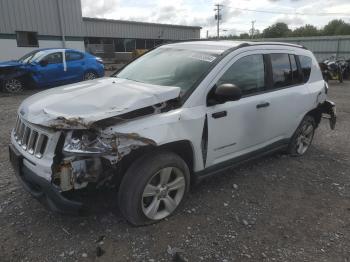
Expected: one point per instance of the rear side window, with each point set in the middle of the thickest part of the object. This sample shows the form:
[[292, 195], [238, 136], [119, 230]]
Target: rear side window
[[305, 64], [296, 77], [281, 70], [72, 56], [248, 73]]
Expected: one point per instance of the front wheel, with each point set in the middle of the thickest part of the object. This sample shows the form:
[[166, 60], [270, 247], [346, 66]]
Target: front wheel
[[302, 137], [153, 188], [13, 85], [90, 76]]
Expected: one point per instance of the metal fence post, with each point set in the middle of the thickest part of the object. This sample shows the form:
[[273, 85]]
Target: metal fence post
[[338, 46]]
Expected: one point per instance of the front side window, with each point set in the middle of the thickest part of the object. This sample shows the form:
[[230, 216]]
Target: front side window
[[281, 70], [247, 73], [169, 67], [306, 64], [54, 58], [27, 39]]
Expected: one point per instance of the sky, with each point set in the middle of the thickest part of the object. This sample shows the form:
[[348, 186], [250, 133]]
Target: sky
[[235, 20]]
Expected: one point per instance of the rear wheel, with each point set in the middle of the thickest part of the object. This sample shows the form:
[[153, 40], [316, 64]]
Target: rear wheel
[[90, 75], [302, 137], [13, 85], [153, 188]]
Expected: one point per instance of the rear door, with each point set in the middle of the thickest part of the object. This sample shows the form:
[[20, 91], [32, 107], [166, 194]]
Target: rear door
[[288, 96], [75, 66]]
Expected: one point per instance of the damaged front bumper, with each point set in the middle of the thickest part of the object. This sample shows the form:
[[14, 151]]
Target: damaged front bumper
[[69, 164], [47, 193]]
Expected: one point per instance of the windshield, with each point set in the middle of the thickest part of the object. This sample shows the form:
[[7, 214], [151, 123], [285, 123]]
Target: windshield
[[32, 56], [169, 67]]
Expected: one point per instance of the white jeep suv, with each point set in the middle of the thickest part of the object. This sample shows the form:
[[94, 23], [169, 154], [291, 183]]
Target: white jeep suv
[[171, 117]]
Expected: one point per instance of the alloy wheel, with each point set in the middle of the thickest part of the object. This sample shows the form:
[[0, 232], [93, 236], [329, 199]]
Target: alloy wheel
[[163, 193], [13, 86], [305, 138], [89, 76]]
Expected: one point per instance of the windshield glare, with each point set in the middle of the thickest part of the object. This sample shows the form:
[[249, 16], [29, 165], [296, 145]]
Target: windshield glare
[[32, 56], [169, 67]]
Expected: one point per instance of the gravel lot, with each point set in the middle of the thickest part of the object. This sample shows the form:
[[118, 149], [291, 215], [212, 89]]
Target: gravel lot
[[277, 208]]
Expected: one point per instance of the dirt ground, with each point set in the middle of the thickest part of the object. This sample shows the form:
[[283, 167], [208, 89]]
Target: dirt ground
[[278, 208]]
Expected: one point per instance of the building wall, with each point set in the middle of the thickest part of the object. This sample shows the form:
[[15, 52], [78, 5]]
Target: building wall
[[322, 46], [53, 19], [10, 51], [41, 16], [125, 29]]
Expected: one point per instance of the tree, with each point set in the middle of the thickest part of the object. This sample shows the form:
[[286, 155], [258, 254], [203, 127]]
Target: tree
[[306, 30], [336, 27], [277, 30], [244, 36]]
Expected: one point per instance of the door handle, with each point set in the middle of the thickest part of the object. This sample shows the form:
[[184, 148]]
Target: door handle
[[265, 104], [219, 114]]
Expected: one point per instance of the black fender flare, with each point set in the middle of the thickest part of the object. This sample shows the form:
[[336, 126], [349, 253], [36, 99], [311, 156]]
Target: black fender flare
[[327, 110]]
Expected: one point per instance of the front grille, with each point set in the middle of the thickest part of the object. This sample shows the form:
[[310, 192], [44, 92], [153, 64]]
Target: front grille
[[30, 139]]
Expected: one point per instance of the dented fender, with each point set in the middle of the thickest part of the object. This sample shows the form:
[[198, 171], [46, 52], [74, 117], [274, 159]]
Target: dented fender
[[183, 124], [13, 72]]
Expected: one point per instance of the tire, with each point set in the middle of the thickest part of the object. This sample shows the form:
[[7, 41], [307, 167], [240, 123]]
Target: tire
[[13, 86], [142, 198], [90, 75], [303, 136]]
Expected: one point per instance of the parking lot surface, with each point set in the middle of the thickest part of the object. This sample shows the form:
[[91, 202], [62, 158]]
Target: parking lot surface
[[277, 208]]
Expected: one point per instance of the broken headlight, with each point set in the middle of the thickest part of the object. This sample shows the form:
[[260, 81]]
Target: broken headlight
[[86, 142]]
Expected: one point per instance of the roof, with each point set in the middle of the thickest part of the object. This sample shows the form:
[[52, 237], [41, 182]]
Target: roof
[[219, 46], [57, 49], [136, 22]]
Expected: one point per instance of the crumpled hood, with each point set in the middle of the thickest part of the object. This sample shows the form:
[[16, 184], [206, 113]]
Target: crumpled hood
[[81, 104], [10, 64]]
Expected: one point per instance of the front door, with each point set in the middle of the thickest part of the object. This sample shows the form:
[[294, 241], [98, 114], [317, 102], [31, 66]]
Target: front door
[[238, 127], [52, 72]]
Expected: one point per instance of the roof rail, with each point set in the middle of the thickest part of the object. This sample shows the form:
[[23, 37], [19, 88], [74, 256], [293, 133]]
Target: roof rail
[[250, 43], [279, 43]]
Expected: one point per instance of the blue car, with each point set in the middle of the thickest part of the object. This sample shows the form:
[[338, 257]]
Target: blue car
[[48, 68]]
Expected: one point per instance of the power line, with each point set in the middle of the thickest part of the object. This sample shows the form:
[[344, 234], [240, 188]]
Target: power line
[[288, 13]]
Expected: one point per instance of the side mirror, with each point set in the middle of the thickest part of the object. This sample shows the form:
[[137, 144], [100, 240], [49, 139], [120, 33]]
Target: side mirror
[[44, 62], [226, 92]]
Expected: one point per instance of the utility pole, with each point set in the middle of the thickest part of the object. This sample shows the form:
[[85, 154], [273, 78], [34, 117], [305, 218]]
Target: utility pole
[[207, 34], [253, 29], [218, 18]]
